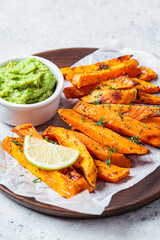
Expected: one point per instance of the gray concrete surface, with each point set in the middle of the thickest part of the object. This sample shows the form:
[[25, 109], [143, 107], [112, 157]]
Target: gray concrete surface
[[28, 27]]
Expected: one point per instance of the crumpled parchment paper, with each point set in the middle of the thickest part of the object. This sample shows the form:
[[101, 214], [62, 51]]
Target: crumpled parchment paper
[[20, 180]]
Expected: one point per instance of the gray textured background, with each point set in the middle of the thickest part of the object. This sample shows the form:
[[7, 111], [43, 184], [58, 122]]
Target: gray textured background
[[28, 27]]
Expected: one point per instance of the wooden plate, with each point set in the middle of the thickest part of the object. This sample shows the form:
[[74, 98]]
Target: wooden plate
[[124, 201]]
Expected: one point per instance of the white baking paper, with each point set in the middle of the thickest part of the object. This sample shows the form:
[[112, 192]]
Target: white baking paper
[[20, 180]]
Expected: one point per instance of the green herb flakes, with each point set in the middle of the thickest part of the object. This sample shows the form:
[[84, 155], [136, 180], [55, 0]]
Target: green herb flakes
[[37, 180]]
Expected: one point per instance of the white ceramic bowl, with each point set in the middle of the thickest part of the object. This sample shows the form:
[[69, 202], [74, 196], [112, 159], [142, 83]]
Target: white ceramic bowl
[[36, 113]]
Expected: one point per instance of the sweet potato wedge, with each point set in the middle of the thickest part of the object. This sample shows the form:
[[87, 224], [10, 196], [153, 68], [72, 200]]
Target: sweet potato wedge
[[70, 71], [124, 125], [110, 173], [128, 67], [73, 92], [146, 74], [111, 96], [144, 86], [146, 98], [122, 82], [113, 84], [104, 136], [85, 161], [66, 182], [26, 129], [135, 111], [95, 149]]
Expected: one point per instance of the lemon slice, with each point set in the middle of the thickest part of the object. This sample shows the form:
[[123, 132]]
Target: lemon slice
[[48, 156]]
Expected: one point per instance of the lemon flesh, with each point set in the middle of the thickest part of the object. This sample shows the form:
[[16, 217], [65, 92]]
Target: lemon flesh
[[48, 156]]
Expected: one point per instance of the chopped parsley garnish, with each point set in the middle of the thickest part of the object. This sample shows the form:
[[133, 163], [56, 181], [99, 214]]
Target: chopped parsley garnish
[[21, 150], [83, 118], [97, 102], [109, 105], [112, 88], [99, 94], [37, 180], [112, 149], [107, 67], [52, 142], [16, 142], [90, 92], [46, 138], [129, 106], [120, 107], [98, 87], [120, 115], [135, 139], [108, 162], [100, 122], [141, 131]]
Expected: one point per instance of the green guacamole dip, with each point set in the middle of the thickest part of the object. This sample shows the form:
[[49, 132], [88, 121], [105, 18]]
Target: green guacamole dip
[[26, 81]]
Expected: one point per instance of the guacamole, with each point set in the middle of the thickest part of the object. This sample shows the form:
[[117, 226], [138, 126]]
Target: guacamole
[[26, 81]]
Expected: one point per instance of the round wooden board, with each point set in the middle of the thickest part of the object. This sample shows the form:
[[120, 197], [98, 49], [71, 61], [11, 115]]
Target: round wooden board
[[124, 201]]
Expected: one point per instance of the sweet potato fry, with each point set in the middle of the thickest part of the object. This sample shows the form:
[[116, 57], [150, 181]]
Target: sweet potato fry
[[66, 182], [26, 129], [118, 83], [135, 111], [104, 136], [124, 125], [111, 96], [113, 84], [146, 74], [145, 87], [95, 149], [111, 173], [70, 71], [128, 67], [73, 92], [85, 161], [146, 98]]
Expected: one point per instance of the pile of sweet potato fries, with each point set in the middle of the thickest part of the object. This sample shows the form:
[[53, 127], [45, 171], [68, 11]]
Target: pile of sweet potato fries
[[99, 123]]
